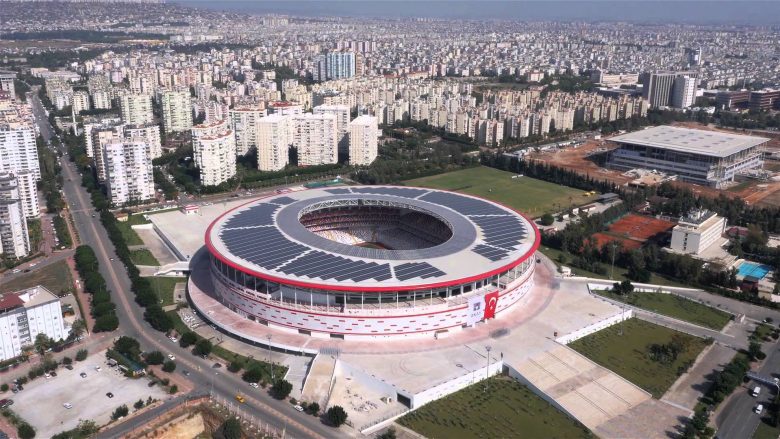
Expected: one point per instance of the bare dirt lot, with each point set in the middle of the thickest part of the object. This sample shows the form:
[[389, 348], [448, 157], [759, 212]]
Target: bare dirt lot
[[41, 401]]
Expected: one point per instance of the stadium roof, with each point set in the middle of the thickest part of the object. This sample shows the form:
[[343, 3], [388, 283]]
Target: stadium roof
[[709, 143], [265, 237]]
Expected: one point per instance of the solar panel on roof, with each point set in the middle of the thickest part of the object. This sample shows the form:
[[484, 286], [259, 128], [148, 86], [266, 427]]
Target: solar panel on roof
[[491, 253], [501, 231], [283, 200], [265, 247], [465, 205], [397, 191], [338, 191], [317, 264], [411, 270], [258, 215]]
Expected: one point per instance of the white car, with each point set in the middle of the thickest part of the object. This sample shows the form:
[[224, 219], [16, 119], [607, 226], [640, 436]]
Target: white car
[[171, 357], [254, 385], [67, 405], [97, 368], [759, 409], [299, 408]]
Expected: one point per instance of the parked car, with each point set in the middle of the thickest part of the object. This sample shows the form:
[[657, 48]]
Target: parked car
[[110, 395], [83, 375], [97, 368], [171, 357], [299, 408], [6, 403], [69, 367], [67, 405], [254, 385], [759, 409]]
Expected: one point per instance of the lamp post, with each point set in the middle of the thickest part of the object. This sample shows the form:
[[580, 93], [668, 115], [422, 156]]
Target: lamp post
[[269, 358], [487, 369]]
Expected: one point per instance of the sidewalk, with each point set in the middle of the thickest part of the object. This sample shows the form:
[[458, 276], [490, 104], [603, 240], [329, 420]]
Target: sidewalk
[[94, 343], [80, 295]]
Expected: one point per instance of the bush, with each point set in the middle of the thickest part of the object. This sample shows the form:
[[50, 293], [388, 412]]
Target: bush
[[67, 360], [138, 404], [169, 366], [120, 412], [336, 416], [281, 389], [174, 389], [546, 220], [25, 430], [81, 355], [235, 366], [188, 339], [155, 357], [4, 388], [389, 434]]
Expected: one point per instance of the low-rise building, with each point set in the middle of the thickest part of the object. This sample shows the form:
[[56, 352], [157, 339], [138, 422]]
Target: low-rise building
[[696, 232]]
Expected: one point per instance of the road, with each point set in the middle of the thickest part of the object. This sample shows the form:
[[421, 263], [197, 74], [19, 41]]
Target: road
[[279, 414], [737, 419]]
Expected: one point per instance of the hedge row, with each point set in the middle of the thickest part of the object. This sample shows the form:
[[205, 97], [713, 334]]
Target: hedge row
[[102, 308]]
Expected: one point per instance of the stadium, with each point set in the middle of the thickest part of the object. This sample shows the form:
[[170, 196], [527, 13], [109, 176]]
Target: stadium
[[364, 262]]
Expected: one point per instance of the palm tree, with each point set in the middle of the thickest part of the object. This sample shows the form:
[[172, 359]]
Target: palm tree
[[77, 329], [42, 343]]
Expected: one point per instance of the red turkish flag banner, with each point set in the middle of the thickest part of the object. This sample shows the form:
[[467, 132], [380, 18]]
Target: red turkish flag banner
[[491, 302]]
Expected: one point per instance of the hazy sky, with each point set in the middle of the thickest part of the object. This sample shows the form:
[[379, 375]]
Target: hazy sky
[[688, 11]]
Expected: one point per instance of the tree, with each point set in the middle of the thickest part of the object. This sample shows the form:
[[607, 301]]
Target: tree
[[388, 434], [336, 416], [77, 328], [313, 409], [188, 339], [231, 428], [755, 352], [253, 374], [67, 360], [281, 389], [81, 355], [155, 357], [235, 366], [174, 388], [4, 387], [169, 366], [87, 427], [25, 430], [42, 343], [202, 347], [139, 404], [547, 219], [120, 412]]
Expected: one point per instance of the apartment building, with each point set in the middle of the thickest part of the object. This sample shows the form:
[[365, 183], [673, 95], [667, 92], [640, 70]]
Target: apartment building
[[273, 142], [244, 120], [214, 150], [135, 109], [342, 124], [149, 133], [129, 175], [176, 110], [14, 240], [363, 136], [315, 137]]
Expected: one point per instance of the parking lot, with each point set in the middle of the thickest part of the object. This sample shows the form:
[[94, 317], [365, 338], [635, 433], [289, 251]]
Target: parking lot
[[41, 401]]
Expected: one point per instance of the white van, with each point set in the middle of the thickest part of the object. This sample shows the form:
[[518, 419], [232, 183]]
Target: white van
[[759, 409], [756, 391]]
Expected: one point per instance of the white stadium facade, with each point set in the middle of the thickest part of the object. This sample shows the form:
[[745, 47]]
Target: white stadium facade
[[366, 262]]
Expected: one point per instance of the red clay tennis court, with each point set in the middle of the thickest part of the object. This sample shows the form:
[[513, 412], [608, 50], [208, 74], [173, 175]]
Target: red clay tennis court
[[633, 230]]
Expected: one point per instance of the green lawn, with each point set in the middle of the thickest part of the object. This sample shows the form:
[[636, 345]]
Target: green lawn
[[619, 273], [761, 332], [136, 220], [628, 355], [143, 257], [508, 409], [55, 277], [766, 431], [528, 195], [675, 306], [131, 238], [164, 286]]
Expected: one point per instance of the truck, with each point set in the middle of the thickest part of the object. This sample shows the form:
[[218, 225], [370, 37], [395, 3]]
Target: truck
[[756, 391]]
